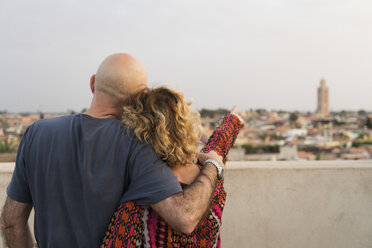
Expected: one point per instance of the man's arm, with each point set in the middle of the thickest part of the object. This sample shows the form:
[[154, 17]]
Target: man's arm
[[184, 210], [14, 224]]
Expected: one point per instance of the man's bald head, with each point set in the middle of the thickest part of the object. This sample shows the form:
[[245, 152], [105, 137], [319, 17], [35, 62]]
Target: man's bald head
[[120, 75]]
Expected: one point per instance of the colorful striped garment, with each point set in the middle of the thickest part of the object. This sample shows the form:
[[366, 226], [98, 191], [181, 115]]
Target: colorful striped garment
[[139, 226]]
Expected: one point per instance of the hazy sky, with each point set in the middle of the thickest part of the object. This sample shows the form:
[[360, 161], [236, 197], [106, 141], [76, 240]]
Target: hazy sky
[[258, 54]]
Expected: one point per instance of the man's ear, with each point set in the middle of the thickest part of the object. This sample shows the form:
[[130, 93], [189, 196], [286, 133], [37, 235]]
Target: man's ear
[[92, 81]]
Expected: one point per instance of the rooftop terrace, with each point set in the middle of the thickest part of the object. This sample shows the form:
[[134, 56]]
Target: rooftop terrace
[[290, 204]]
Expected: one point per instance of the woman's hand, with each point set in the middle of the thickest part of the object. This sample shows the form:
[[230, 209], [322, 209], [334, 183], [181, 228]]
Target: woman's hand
[[239, 117]]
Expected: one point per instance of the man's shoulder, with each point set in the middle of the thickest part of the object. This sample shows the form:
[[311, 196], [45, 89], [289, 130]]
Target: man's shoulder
[[59, 120], [50, 125]]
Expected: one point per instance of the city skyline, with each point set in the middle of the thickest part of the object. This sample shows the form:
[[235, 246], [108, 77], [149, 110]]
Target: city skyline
[[256, 54], [322, 105]]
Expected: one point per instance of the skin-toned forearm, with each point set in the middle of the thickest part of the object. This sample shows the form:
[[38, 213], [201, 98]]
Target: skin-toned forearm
[[14, 224], [15, 237], [184, 210]]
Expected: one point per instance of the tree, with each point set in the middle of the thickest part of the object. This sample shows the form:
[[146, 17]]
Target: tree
[[369, 123], [261, 111], [71, 111], [8, 146], [293, 117], [251, 149], [206, 113], [362, 112], [281, 111], [222, 111], [24, 114], [211, 113]]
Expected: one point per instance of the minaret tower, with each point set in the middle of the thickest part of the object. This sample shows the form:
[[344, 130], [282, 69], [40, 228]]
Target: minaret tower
[[323, 106]]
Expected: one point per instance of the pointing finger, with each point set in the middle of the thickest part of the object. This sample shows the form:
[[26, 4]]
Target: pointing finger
[[234, 109]]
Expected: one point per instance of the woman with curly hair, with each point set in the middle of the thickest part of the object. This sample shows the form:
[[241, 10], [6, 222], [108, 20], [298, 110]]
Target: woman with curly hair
[[163, 118]]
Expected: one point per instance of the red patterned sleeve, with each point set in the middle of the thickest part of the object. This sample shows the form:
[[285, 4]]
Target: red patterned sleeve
[[224, 136]]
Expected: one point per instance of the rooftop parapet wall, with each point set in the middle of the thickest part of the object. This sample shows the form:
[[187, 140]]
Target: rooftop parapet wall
[[298, 205], [290, 204]]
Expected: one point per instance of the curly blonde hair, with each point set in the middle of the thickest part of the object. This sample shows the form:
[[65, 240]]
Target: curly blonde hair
[[162, 118]]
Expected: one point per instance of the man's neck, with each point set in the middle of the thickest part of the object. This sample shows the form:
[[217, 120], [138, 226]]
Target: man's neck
[[103, 106], [101, 115], [103, 112]]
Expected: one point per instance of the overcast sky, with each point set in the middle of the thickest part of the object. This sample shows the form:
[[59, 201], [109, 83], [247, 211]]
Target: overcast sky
[[258, 54]]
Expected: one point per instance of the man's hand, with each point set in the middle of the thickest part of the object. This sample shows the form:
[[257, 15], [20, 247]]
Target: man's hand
[[14, 224], [184, 210]]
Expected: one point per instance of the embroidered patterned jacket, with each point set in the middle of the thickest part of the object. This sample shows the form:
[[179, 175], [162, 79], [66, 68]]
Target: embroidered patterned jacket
[[139, 226]]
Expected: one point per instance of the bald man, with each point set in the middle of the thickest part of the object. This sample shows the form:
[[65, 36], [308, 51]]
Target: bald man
[[74, 170]]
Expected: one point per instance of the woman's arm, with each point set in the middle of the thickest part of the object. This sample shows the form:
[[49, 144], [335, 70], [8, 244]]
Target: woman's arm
[[224, 135], [184, 210]]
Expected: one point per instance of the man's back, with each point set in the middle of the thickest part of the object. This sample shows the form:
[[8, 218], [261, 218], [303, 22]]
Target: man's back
[[76, 169]]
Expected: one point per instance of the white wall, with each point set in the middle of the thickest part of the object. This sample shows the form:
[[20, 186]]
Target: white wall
[[290, 204], [298, 205]]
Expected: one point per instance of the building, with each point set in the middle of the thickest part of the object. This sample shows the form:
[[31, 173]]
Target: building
[[323, 100], [288, 152]]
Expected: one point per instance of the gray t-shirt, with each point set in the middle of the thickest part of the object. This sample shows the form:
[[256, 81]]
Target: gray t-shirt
[[76, 170]]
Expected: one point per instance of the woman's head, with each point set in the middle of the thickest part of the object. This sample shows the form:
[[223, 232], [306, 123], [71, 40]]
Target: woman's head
[[162, 118]]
